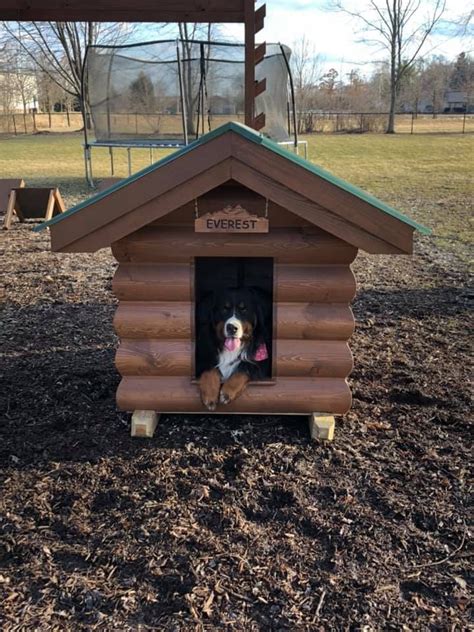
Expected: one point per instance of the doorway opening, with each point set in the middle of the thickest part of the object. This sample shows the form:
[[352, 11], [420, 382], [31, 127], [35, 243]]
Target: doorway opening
[[245, 279]]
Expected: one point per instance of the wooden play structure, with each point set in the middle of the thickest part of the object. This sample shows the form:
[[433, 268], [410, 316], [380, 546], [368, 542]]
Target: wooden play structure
[[32, 203], [186, 224]]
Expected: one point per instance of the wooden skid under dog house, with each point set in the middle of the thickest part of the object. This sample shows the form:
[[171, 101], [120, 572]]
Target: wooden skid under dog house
[[234, 200]]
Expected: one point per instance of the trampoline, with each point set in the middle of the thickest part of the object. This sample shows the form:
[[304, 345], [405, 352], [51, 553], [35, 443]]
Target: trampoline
[[167, 93]]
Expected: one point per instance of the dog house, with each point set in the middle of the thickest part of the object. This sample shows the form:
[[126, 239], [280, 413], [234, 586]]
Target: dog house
[[234, 209]]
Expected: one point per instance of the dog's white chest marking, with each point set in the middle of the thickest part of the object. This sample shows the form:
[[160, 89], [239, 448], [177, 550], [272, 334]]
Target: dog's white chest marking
[[228, 362]]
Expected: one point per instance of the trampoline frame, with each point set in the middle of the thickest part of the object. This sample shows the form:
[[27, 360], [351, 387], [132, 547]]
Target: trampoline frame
[[157, 143]]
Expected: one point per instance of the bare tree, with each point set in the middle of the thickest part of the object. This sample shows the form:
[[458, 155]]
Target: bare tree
[[435, 81], [194, 73], [401, 28], [57, 49], [411, 89], [305, 62], [357, 94], [306, 70]]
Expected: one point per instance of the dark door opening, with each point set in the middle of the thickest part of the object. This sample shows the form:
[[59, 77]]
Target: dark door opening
[[215, 275]]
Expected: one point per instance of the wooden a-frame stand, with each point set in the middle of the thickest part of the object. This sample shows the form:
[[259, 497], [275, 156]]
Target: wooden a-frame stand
[[33, 203]]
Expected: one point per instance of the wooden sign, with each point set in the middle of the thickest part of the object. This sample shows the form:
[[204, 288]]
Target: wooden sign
[[231, 219]]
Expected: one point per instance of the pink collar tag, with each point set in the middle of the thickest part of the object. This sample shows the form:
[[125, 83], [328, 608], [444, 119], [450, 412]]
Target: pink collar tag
[[261, 353]]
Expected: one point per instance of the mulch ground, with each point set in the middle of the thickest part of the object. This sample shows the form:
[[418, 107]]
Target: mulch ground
[[232, 523]]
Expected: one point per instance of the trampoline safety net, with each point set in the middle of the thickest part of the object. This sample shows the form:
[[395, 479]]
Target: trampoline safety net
[[175, 90]]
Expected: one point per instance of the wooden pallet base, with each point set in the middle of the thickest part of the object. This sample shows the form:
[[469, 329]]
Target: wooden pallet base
[[144, 423], [321, 427]]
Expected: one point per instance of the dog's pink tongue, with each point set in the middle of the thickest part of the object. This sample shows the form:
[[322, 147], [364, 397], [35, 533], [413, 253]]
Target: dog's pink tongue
[[231, 344]]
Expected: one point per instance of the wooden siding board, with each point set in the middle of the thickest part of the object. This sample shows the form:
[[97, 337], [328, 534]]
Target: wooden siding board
[[293, 321], [294, 283], [154, 319], [155, 357], [151, 282], [173, 245], [313, 358], [293, 358], [314, 283], [313, 321], [287, 395]]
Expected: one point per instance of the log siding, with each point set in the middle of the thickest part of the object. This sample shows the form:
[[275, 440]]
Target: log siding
[[313, 286]]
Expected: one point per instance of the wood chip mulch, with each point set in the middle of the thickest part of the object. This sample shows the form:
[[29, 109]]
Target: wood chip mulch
[[232, 523]]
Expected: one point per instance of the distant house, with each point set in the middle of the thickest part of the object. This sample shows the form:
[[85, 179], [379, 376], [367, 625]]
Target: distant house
[[457, 101], [18, 90], [454, 102]]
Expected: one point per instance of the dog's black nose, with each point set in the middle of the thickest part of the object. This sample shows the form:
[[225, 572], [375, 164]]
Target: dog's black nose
[[231, 329]]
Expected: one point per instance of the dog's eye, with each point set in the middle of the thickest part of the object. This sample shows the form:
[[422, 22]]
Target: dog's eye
[[242, 307]]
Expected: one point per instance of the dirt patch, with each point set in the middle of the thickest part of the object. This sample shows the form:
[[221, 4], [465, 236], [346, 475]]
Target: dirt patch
[[232, 523]]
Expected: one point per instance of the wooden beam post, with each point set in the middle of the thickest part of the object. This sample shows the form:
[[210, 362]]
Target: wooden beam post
[[321, 427], [249, 19], [144, 423]]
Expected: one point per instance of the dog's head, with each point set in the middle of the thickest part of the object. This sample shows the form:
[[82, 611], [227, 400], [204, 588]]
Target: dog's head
[[237, 317]]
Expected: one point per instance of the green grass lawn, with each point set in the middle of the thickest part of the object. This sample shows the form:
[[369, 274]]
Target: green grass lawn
[[428, 177]]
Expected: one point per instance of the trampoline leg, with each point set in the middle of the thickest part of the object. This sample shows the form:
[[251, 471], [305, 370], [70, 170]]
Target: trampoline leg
[[151, 156], [111, 152], [88, 165], [129, 162], [86, 170], [91, 175]]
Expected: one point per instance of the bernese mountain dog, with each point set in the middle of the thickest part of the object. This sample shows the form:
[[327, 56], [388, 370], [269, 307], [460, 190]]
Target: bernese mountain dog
[[232, 343]]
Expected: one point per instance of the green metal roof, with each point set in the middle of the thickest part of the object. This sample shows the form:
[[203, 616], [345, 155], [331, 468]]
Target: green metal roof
[[254, 137]]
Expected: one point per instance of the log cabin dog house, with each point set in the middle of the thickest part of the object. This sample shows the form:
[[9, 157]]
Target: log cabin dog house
[[231, 183]]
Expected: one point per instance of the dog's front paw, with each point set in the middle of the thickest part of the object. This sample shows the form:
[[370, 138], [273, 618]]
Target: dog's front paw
[[209, 386], [233, 388], [209, 404], [224, 397]]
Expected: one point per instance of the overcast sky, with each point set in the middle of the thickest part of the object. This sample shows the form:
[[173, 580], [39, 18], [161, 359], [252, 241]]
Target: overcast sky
[[336, 37]]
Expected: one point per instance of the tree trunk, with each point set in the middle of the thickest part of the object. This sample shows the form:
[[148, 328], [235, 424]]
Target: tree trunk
[[393, 72], [391, 113]]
